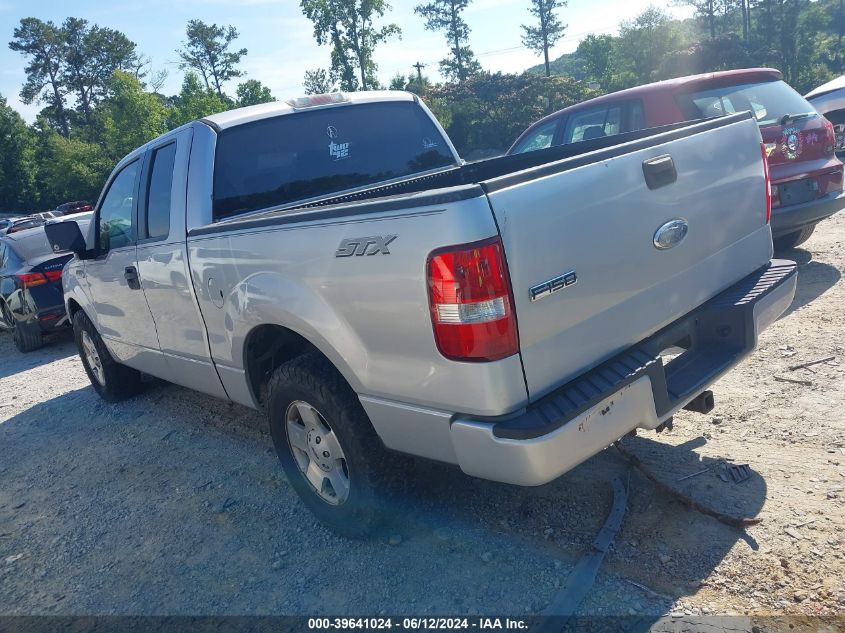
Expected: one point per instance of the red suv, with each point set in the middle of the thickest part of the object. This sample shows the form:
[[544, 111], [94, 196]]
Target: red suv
[[806, 175]]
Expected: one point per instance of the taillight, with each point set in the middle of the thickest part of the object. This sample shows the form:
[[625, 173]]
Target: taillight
[[53, 275], [829, 137], [471, 305], [29, 280], [768, 183]]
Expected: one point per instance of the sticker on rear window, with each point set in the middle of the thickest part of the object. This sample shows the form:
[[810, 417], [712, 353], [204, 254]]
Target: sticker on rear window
[[339, 151], [791, 143]]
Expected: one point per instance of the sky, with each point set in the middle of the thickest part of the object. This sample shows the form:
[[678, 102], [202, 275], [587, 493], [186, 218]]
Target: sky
[[280, 39]]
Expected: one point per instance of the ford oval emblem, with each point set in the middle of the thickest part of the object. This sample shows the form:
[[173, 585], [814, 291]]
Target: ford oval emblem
[[670, 234]]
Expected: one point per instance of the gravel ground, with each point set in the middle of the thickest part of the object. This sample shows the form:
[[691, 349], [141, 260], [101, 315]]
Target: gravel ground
[[173, 503]]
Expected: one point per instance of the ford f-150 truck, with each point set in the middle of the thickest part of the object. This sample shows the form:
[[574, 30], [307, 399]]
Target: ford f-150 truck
[[332, 261]]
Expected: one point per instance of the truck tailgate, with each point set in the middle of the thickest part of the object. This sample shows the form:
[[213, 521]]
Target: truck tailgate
[[579, 237]]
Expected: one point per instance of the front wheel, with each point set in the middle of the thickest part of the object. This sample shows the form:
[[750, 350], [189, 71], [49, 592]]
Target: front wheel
[[329, 450], [111, 380], [791, 240]]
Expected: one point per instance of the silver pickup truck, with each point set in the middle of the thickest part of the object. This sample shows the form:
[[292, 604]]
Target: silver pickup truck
[[332, 261]]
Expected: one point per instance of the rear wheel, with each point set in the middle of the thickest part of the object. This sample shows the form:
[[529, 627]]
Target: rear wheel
[[25, 337], [329, 450], [111, 380], [791, 240]]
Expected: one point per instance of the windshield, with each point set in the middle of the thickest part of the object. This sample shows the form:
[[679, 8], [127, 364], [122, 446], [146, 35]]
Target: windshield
[[770, 101], [294, 157]]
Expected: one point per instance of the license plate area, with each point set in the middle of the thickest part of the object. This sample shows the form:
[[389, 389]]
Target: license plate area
[[798, 191]]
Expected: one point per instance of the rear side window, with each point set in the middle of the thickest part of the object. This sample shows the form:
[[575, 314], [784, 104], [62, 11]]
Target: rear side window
[[770, 101], [158, 196], [313, 153], [593, 123]]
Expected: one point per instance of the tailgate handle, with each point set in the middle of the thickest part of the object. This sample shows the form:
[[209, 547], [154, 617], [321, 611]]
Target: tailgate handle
[[659, 171]]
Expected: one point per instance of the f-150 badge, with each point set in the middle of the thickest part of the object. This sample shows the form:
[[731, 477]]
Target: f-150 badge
[[372, 245], [543, 290]]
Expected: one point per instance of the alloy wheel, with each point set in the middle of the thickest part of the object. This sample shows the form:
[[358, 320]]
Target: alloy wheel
[[317, 451]]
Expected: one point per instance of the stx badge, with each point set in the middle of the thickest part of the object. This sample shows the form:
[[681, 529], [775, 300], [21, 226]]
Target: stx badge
[[365, 246]]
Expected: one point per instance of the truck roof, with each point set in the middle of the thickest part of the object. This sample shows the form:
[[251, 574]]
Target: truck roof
[[239, 116]]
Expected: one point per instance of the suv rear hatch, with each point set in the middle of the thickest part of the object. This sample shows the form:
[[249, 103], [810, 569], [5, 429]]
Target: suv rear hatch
[[590, 277], [799, 141]]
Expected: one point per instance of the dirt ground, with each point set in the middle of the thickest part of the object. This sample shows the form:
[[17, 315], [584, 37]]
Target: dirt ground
[[173, 503]]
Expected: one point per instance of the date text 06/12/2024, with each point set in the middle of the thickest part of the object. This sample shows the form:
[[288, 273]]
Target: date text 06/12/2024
[[414, 624]]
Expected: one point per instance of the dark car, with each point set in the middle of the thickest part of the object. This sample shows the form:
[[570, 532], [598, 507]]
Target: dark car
[[69, 208], [806, 174], [31, 301]]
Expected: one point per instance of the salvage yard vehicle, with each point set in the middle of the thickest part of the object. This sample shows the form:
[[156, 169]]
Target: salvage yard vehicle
[[829, 101], [331, 261], [31, 299], [70, 208], [806, 174]]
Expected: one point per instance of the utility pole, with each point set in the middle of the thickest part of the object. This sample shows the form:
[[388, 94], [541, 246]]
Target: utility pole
[[419, 68]]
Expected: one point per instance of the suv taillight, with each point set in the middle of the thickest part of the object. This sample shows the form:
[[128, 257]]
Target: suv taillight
[[471, 304], [768, 183], [829, 138]]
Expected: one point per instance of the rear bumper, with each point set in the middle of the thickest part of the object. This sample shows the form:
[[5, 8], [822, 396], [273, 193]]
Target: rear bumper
[[634, 389], [794, 217]]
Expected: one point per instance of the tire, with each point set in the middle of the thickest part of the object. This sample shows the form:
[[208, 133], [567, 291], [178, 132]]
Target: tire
[[111, 380], [311, 381], [26, 338], [791, 240]]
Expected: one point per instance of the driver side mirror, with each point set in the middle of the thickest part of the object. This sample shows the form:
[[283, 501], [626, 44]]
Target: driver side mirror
[[66, 236]]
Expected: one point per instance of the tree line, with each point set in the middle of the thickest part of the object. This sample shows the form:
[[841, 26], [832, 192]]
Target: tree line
[[101, 98]]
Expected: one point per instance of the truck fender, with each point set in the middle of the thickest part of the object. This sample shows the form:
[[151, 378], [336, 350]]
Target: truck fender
[[270, 299]]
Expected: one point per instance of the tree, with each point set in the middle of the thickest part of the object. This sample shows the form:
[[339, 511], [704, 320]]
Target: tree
[[68, 168], [548, 30], [207, 51], [17, 166], [157, 79], [253, 92], [643, 43], [131, 116], [195, 102], [597, 54], [445, 15], [319, 81], [92, 55], [43, 44], [489, 110], [349, 25], [708, 10]]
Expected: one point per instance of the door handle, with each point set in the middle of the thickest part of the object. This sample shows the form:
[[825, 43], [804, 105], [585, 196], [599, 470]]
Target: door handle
[[659, 171], [130, 273]]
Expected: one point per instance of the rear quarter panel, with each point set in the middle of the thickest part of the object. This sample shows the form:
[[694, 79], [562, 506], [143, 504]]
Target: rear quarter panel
[[368, 314]]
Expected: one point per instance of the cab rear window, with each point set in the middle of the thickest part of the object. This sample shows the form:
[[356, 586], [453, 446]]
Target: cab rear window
[[770, 101], [309, 154]]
